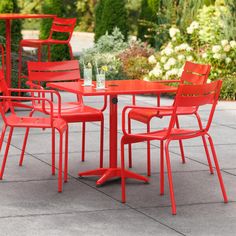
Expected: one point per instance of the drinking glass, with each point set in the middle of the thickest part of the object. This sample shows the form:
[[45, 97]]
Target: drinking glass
[[100, 81], [87, 76]]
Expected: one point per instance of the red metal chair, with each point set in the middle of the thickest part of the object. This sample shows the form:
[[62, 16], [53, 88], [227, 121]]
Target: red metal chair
[[188, 96], [192, 74], [60, 26], [71, 112], [13, 120]]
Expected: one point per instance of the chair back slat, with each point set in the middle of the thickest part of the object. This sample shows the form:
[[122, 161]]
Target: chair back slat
[[54, 71], [198, 95], [63, 25], [190, 78], [56, 65], [51, 76], [62, 28], [64, 21], [195, 73]]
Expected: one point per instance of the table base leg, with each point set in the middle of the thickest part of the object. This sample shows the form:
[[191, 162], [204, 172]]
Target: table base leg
[[108, 173]]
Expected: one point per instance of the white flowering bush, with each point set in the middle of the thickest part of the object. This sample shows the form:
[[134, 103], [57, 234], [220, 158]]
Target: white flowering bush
[[202, 42], [168, 63]]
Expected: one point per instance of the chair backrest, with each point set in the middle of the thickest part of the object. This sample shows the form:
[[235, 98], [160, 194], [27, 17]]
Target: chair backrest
[[197, 95], [195, 73], [64, 26], [53, 71]]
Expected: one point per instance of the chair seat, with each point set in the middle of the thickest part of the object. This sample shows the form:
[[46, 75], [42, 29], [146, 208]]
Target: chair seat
[[38, 42], [75, 112], [161, 134], [39, 122], [144, 115]]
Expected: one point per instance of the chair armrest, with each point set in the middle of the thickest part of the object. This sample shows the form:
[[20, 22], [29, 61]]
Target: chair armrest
[[43, 92], [140, 107], [33, 85], [18, 98]]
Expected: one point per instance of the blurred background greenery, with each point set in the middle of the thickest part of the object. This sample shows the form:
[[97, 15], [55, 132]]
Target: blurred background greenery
[[207, 27]]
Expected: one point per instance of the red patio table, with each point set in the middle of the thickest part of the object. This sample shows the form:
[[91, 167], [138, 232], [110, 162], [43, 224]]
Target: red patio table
[[13, 16], [113, 89]]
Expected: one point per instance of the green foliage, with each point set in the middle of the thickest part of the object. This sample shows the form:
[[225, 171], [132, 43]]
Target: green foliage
[[111, 14], [187, 11], [201, 44], [85, 9], [113, 42], [146, 15], [135, 60], [133, 9], [99, 27], [228, 90], [229, 20], [155, 18], [7, 6], [60, 8], [104, 53], [136, 67], [211, 24]]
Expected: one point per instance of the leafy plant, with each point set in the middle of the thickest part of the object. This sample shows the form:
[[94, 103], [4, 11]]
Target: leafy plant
[[111, 14], [7, 6], [135, 60], [228, 90], [104, 53]]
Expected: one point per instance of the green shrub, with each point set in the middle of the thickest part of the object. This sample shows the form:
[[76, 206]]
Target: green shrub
[[110, 14], [135, 60], [228, 90], [104, 53], [99, 27], [200, 44], [7, 6], [229, 20], [154, 20]]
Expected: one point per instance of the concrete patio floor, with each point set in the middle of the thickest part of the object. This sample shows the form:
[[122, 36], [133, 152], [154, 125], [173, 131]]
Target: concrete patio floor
[[31, 205]]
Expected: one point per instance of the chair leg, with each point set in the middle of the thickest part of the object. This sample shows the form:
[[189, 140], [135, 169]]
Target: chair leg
[[66, 157], [148, 152], [123, 191], [129, 145], [23, 147], [70, 50], [53, 151], [101, 143], [218, 169], [161, 168], [83, 142], [180, 142], [60, 163], [205, 145], [171, 187], [2, 135], [25, 142], [19, 67], [6, 153]]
